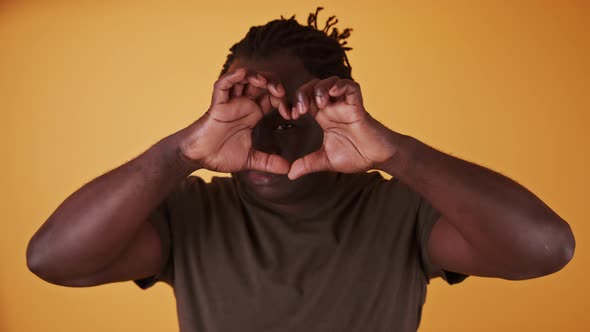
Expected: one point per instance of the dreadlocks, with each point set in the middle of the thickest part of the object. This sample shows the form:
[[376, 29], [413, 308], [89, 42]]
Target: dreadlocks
[[322, 51]]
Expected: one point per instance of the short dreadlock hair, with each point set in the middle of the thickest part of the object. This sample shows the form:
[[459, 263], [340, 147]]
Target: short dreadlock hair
[[322, 51]]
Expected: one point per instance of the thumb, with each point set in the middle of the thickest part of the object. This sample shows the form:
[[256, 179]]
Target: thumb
[[270, 163], [314, 162]]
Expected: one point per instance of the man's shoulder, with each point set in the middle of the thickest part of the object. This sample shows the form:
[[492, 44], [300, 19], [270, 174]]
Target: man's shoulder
[[374, 181], [391, 191]]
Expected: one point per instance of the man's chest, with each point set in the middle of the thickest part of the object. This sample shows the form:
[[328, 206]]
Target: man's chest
[[250, 273]]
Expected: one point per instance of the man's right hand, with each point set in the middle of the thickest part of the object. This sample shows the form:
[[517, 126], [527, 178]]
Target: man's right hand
[[221, 140]]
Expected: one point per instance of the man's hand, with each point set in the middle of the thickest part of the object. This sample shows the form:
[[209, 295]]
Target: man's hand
[[221, 140], [353, 140]]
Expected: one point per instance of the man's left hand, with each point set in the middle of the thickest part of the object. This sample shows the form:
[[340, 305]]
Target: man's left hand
[[353, 140]]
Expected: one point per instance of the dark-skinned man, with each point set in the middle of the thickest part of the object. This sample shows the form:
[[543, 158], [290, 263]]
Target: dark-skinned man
[[301, 237]]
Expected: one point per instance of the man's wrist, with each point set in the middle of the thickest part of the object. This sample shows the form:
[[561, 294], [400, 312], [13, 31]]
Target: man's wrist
[[401, 146], [171, 150]]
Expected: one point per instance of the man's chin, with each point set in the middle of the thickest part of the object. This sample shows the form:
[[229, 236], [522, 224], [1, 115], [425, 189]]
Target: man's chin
[[262, 179], [267, 186], [278, 188]]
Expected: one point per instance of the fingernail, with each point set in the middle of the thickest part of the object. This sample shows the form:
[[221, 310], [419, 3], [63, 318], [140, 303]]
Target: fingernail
[[319, 100], [280, 89], [300, 107]]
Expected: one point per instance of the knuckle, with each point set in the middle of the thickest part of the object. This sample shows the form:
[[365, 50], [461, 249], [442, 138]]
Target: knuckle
[[268, 163], [307, 164]]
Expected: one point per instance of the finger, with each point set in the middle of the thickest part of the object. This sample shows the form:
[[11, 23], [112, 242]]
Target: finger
[[257, 80], [237, 90], [294, 113], [269, 102], [314, 162], [271, 163], [273, 84], [276, 89], [281, 105], [222, 87], [256, 85], [264, 104], [298, 114], [253, 92], [303, 96], [350, 89], [320, 91]]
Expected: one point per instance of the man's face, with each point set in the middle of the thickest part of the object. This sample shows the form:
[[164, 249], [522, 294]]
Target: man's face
[[290, 139]]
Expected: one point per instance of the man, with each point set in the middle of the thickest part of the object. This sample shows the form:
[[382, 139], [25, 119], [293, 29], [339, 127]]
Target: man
[[301, 237]]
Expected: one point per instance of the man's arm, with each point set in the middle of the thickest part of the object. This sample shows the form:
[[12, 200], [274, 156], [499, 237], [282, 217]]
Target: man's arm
[[490, 225], [104, 223], [100, 233]]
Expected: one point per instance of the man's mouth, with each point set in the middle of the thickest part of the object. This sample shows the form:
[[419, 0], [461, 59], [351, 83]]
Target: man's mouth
[[262, 178]]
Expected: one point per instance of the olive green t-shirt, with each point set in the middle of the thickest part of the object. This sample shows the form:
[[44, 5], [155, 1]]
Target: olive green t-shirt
[[356, 263]]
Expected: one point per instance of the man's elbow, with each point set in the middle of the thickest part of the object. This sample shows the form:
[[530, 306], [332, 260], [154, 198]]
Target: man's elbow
[[553, 251], [35, 261], [564, 246], [40, 265]]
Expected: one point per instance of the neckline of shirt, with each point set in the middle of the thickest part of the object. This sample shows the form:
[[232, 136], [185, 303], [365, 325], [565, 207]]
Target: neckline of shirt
[[346, 186]]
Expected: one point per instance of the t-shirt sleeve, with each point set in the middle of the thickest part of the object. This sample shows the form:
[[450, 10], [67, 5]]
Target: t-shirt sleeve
[[427, 216], [160, 219]]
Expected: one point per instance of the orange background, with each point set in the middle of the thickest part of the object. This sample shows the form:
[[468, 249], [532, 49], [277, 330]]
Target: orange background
[[85, 86]]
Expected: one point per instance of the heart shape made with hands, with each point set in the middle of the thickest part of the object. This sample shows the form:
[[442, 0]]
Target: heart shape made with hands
[[353, 141]]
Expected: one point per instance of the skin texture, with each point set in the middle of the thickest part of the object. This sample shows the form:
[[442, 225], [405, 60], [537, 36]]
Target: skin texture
[[284, 134]]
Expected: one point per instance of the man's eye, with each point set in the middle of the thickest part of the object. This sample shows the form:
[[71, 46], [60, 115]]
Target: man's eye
[[283, 126]]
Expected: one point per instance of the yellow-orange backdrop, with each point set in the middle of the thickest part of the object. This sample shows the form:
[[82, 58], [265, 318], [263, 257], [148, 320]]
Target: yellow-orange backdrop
[[85, 87]]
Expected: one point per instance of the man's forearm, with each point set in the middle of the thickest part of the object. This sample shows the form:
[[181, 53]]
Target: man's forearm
[[96, 223], [496, 215]]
